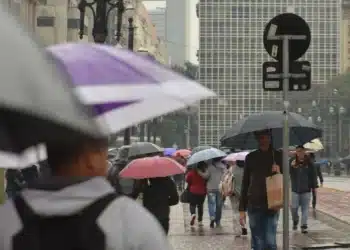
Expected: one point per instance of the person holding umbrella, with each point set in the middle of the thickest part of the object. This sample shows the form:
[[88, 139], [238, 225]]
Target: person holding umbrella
[[196, 181], [260, 164], [303, 180], [320, 177]]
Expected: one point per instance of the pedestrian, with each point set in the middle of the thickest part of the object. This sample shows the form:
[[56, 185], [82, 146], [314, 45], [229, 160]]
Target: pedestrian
[[158, 195], [260, 164], [196, 182], [303, 181], [216, 170], [77, 208], [320, 177]]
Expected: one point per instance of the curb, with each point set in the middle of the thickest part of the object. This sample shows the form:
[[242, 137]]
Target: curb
[[332, 221]]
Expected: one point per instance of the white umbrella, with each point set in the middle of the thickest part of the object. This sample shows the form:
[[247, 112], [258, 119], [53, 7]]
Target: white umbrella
[[29, 157], [315, 145]]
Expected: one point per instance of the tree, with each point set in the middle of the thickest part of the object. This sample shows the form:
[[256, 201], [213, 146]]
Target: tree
[[172, 129]]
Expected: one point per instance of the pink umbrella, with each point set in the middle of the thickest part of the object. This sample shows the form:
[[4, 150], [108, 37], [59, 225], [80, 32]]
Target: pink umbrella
[[152, 167], [182, 152], [240, 156]]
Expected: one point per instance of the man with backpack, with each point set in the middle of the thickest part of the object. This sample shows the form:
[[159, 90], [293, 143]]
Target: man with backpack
[[76, 208]]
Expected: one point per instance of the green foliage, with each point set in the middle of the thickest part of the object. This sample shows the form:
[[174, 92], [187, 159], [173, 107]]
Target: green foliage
[[342, 84], [173, 127]]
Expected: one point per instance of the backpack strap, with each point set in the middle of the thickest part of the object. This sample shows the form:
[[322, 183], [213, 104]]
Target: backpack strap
[[95, 209]]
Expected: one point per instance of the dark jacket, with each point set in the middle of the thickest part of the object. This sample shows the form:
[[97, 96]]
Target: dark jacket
[[319, 173], [258, 166], [303, 177], [159, 195]]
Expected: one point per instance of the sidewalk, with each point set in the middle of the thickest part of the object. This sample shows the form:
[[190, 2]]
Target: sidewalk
[[182, 236], [334, 203]]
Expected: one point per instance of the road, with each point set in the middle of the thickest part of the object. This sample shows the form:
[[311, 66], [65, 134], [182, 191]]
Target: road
[[182, 236], [339, 183]]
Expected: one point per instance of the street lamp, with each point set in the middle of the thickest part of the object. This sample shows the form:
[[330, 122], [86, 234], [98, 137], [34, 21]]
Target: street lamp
[[338, 110], [100, 11]]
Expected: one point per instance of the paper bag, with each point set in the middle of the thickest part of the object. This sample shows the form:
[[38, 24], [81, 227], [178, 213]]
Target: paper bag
[[274, 190]]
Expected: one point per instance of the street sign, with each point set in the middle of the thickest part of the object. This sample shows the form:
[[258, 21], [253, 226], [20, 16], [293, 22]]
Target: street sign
[[287, 24], [299, 76]]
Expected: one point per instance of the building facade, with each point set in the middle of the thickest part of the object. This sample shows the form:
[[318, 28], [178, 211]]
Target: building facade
[[345, 36], [231, 54], [158, 18], [177, 30]]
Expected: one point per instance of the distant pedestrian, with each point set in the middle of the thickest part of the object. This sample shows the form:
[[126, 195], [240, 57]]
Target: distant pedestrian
[[303, 181], [158, 195], [320, 177], [260, 164], [216, 170], [196, 181]]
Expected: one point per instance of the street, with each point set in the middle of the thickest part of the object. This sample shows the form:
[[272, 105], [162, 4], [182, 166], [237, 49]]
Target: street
[[182, 236], [339, 183]]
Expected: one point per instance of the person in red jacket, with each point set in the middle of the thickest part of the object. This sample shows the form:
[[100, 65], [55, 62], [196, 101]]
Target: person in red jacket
[[198, 190]]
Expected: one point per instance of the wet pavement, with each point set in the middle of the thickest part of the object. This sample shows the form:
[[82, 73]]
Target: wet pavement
[[182, 236], [341, 183], [334, 203]]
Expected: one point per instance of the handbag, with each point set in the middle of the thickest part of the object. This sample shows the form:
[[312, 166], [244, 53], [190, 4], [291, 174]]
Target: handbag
[[185, 195], [274, 190]]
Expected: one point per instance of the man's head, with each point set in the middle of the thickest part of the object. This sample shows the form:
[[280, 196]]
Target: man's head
[[300, 152], [84, 158], [264, 139]]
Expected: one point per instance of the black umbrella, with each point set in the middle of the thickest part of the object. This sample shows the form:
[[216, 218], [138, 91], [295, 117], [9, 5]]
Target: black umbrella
[[36, 104], [242, 133]]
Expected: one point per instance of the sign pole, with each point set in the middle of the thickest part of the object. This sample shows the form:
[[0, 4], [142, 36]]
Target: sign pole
[[285, 65]]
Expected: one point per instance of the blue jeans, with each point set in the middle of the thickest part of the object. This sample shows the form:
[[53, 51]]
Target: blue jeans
[[303, 201], [215, 206], [263, 227]]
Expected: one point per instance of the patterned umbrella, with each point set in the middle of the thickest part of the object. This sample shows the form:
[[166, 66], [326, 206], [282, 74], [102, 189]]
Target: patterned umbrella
[[125, 88]]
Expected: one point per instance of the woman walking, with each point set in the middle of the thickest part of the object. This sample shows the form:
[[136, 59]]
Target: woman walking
[[197, 189], [303, 180]]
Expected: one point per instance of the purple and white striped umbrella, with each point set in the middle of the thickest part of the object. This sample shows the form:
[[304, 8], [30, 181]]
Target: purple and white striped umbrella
[[124, 87]]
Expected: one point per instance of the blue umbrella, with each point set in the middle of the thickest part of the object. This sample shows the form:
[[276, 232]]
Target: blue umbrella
[[205, 155], [169, 151]]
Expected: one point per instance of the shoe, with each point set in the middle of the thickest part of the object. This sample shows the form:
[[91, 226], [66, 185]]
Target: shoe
[[193, 219], [295, 225], [200, 223], [218, 224], [304, 229], [212, 223]]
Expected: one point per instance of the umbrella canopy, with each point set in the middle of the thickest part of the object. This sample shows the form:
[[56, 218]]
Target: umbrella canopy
[[199, 148], [37, 104], [183, 153], [169, 151], [205, 155], [27, 158], [152, 167], [239, 156], [242, 133], [138, 149], [314, 145], [124, 87]]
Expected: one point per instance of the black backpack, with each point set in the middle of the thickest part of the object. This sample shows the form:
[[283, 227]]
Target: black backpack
[[73, 232]]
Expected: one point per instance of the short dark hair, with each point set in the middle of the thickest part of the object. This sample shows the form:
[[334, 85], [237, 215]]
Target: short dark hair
[[61, 155], [300, 147], [262, 132]]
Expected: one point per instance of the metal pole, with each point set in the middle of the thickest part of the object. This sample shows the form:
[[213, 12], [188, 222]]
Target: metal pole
[[285, 144], [339, 133], [188, 132], [127, 131]]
